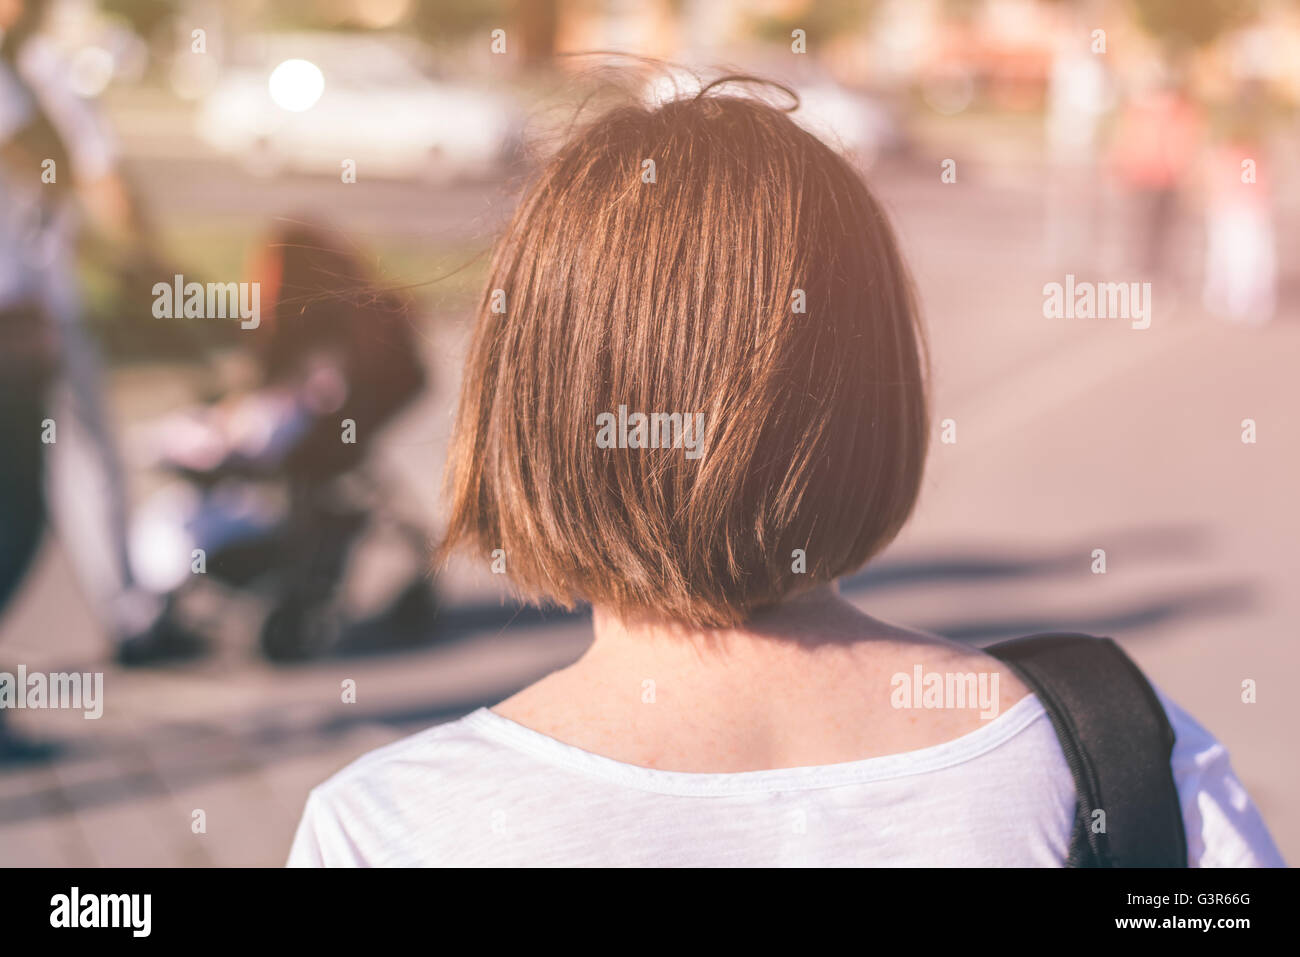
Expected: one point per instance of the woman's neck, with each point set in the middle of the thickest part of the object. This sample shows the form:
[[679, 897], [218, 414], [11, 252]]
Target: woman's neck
[[806, 683], [794, 630]]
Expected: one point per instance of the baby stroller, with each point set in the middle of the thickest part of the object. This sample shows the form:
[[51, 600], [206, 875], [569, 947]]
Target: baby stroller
[[277, 485]]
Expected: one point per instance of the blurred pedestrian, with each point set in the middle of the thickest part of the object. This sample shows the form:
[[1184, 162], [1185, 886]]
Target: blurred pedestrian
[[1079, 94], [57, 161], [1240, 246], [1156, 146]]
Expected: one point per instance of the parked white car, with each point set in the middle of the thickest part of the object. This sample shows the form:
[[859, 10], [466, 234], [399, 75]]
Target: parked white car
[[310, 101]]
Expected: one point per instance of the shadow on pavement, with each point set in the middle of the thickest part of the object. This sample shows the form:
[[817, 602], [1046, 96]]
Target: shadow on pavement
[[196, 753]]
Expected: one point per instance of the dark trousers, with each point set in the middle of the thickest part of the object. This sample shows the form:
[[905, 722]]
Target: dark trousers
[[25, 376]]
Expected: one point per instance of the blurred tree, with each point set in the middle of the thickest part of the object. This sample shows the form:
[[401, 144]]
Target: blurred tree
[[822, 18], [964, 11], [441, 20], [145, 16], [530, 24], [538, 20], [1182, 24]]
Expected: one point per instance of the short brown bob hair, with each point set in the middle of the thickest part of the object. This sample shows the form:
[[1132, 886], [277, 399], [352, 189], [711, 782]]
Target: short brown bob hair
[[747, 274]]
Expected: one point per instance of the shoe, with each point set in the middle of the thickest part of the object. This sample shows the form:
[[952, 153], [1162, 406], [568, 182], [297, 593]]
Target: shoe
[[164, 642], [15, 750]]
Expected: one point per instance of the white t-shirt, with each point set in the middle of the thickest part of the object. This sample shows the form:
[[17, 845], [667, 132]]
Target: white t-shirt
[[486, 791], [37, 236]]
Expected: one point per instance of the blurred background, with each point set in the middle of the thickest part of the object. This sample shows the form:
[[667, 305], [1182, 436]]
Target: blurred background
[[210, 545]]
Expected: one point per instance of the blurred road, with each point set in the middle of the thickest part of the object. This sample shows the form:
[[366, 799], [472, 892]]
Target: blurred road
[[216, 192], [1072, 435]]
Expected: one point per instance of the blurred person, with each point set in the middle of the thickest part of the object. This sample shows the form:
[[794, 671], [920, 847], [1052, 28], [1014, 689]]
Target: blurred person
[[58, 159], [335, 347], [1078, 96], [733, 709], [1240, 244], [1156, 146]]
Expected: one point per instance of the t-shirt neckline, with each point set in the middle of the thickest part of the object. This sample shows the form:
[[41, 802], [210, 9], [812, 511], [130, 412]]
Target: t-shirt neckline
[[703, 784]]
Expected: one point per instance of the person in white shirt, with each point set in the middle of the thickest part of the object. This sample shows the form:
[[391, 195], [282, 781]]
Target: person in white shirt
[[696, 398], [58, 160]]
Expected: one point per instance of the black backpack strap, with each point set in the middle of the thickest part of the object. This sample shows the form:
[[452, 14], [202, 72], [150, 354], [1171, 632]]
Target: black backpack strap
[[1117, 741]]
